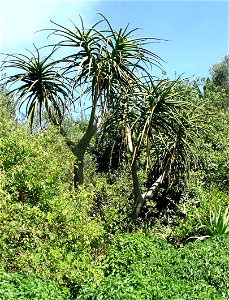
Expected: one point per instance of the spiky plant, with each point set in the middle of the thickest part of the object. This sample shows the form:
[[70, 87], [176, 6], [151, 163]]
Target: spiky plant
[[38, 87]]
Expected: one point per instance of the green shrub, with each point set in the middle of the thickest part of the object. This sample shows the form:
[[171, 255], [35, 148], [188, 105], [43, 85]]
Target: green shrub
[[196, 207], [35, 167], [111, 193], [26, 287], [45, 228], [217, 223], [144, 267]]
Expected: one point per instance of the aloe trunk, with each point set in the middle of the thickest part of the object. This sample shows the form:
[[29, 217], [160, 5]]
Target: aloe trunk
[[80, 149], [139, 199]]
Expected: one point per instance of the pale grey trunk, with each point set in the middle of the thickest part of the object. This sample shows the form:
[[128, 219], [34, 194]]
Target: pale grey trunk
[[139, 199], [154, 186]]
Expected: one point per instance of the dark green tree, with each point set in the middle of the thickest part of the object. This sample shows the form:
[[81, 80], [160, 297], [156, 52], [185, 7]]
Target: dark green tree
[[220, 74]]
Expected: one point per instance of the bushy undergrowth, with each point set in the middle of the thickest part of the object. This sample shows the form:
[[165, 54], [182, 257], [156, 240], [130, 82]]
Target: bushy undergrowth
[[57, 243], [196, 208], [111, 203], [34, 168], [139, 266], [146, 267], [25, 287], [45, 228], [214, 150]]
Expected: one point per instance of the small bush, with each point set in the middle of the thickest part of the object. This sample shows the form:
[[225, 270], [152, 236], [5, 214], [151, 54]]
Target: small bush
[[26, 287], [217, 223], [111, 193], [35, 167], [196, 207]]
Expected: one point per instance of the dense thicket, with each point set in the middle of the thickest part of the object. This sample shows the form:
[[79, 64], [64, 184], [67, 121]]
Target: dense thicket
[[52, 232]]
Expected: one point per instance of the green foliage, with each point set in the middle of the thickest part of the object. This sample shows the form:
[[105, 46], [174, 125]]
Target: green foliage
[[45, 228], [213, 142], [220, 74], [196, 206], [26, 287], [217, 222], [208, 181], [147, 267], [111, 197], [6, 102], [31, 164], [33, 161]]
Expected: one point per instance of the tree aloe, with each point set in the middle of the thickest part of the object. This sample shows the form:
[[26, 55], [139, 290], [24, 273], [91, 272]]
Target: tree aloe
[[159, 126], [38, 85], [102, 62]]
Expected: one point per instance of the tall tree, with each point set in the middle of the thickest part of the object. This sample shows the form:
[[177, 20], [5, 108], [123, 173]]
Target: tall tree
[[159, 125], [102, 63], [220, 73]]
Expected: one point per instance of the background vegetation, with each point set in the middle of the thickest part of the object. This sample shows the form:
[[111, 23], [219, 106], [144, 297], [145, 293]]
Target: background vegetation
[[149, 217]]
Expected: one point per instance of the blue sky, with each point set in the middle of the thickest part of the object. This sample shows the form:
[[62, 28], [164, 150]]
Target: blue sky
[[197, 30]]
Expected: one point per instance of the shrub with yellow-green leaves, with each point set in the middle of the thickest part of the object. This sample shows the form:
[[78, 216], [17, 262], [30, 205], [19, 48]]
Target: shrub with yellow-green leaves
[[45, 226]]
